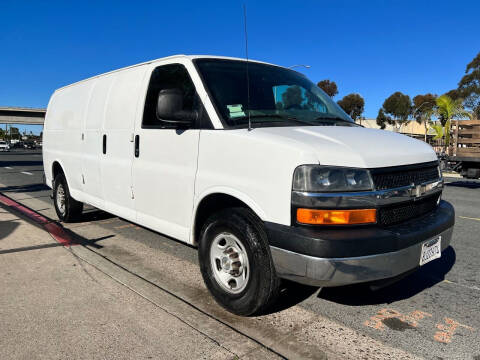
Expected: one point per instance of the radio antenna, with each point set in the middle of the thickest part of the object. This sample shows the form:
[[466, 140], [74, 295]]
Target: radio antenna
[[248, 77]]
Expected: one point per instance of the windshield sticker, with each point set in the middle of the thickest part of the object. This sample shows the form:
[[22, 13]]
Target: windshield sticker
[[235, 110]]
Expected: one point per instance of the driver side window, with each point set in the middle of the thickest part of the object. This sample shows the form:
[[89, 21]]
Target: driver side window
[[173, 78]]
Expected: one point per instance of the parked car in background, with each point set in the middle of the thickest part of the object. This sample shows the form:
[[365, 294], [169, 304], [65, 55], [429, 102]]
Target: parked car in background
[[16, 145], [29, 145], [4, 146], [263, 172]]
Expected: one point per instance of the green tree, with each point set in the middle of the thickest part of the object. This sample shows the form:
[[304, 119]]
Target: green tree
[[469, 86], [383, 119], [453, 94], [14, 133], [353, 105], [330, 87], [292, 97], [447, 110], [423, 109], [2, 134], [399, 107]]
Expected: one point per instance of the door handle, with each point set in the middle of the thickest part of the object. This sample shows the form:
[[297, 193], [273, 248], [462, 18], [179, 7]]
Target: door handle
[[104, 146], [137, 146]]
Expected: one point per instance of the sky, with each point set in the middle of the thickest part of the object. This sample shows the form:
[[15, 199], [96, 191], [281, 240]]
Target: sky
[[373, 48]]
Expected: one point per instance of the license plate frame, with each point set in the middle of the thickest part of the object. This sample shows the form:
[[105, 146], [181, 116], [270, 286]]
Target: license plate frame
[[431, 250]]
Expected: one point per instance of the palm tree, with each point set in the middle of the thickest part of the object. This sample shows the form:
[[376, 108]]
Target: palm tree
[[437, 128], [448, 109]]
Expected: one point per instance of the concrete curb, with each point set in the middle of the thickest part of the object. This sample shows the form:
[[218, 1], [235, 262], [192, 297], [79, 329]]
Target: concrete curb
[[53, 228]]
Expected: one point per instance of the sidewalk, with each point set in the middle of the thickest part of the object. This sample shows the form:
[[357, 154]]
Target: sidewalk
[[53, 305]]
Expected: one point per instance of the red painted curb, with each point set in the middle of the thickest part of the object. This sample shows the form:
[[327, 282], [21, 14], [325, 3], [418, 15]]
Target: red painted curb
[[55, 230]]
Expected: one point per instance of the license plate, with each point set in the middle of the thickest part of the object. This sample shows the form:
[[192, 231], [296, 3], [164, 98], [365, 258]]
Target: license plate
[[431, 250]]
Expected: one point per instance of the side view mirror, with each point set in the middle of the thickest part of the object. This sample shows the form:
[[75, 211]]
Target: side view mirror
[[170, 108]]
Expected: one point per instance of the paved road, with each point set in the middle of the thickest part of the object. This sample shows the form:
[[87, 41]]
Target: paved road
[[434, 313]]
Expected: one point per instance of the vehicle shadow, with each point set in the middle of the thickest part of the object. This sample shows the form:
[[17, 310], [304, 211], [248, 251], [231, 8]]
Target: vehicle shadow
[[414, 283], [291, 294], [21, 163], [465, 184], [7, 228], [25, 188], [93, 215]]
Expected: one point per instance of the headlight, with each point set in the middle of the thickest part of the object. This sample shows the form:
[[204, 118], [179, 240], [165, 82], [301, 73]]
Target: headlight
[[317, 178]]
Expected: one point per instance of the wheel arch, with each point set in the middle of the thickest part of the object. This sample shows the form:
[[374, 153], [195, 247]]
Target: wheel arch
[[215, 201], [58, 168]]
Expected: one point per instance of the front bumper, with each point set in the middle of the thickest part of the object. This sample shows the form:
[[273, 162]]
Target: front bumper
[[335, 257]]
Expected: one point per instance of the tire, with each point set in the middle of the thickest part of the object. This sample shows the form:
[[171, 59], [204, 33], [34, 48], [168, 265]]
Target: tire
[[68, 209], [234, 247]]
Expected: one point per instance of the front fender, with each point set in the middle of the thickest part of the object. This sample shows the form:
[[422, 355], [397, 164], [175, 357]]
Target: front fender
[[225, 190]]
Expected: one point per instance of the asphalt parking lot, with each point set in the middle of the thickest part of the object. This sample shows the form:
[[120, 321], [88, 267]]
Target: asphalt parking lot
[[433, 313]]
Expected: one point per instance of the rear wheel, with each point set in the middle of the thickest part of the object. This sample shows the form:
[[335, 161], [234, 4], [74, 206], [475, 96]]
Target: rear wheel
[[235, 261], [67, 208]]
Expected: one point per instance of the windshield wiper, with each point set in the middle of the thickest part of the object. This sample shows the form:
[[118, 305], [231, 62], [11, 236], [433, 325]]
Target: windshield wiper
[[278, 116], [335, 119], [264, 116]]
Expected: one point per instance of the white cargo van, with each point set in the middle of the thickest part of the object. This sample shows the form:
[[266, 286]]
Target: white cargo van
[[301, 193]]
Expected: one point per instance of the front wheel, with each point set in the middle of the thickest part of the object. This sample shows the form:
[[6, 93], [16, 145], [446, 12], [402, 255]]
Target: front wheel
[[235, 262], [67, 208]]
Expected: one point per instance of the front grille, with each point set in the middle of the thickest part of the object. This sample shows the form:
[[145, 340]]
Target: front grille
[[394, 214], [404, 175]]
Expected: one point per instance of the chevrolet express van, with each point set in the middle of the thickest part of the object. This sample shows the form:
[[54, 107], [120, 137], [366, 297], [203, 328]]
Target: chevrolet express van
[[252, 163]]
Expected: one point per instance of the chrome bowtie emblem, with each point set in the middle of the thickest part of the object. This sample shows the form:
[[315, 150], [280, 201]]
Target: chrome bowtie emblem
[[417, 190]]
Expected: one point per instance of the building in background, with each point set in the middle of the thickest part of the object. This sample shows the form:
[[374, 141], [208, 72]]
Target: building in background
[[410, 128]]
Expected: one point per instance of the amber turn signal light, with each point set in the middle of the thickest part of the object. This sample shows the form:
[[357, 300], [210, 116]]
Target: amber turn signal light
[[336, 217]]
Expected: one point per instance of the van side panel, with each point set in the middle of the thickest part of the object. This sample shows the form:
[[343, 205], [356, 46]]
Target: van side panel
[[62, 139], [116, 165], [92, 143]]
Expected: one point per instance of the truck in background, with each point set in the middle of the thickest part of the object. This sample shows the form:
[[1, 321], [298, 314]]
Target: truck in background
[[465, 151]]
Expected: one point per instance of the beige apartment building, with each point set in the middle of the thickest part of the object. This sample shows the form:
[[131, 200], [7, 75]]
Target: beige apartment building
[[411, 128]]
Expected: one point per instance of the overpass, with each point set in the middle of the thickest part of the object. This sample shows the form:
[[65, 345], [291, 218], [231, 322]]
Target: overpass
[[18, 115]]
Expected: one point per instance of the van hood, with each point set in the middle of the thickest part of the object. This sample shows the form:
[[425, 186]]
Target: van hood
[[353, 146]]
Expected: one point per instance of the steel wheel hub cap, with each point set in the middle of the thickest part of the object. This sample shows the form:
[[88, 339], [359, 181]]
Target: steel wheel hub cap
[[61, 198], [229, 262]]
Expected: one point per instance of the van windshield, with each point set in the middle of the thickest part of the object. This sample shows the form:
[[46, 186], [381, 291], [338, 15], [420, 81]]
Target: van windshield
[[276, 96]]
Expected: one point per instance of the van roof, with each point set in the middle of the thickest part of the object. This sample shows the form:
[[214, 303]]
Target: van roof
[[179, 56]]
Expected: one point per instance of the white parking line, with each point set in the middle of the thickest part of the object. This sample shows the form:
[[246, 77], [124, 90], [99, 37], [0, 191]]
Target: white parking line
[[465, 286], [8, 167], [469, 218], [26, 172]]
